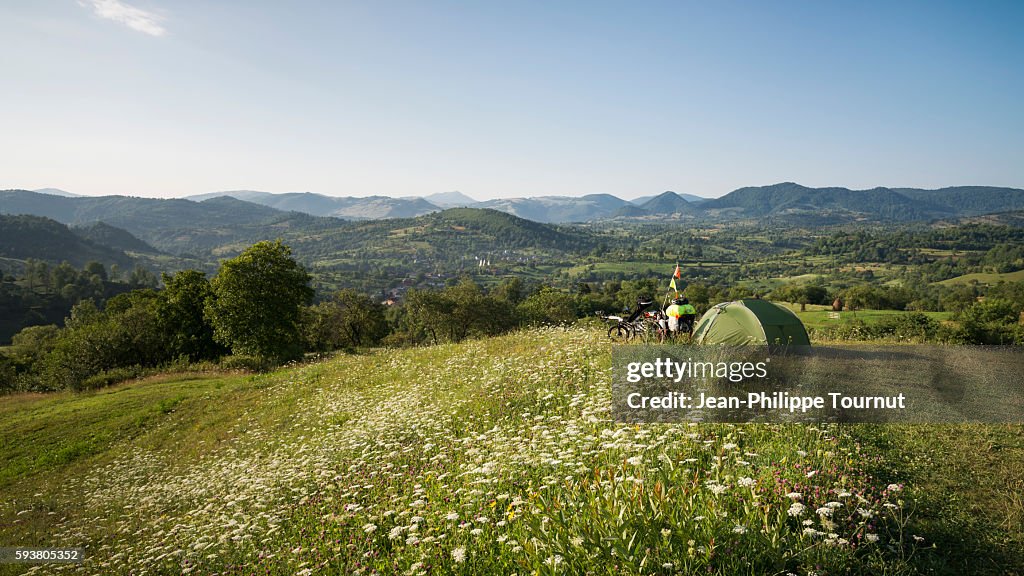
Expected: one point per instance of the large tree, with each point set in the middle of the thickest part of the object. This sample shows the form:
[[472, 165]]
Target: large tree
[[181, 312], [257, 298]]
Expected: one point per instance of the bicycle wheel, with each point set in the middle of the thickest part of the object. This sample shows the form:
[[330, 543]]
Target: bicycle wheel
[[619, 333]]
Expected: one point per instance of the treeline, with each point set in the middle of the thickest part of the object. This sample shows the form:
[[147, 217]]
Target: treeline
[[248, 315], [936, 253], [45, 293], [982, 315], [257, 312]]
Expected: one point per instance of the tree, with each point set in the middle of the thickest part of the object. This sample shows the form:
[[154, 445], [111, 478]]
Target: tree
[[181, 314], [548, 306], [349, 320], [257, 297]]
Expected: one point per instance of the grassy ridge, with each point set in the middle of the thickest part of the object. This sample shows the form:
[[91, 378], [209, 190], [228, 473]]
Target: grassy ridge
[[490, 456]]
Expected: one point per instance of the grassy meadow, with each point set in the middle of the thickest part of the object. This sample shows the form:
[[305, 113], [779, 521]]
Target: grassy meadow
[[494, 456]]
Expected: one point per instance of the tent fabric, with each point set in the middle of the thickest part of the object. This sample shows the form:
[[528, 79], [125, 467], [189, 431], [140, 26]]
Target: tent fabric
[[750, 322]]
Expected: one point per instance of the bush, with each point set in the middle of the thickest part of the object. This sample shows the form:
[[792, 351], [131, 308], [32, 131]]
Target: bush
[[8, 375], [110, 377], [246, 363], [913, 327]]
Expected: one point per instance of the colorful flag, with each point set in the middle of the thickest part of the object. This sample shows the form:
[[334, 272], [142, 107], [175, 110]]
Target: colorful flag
[[672, 284], [678, 273]]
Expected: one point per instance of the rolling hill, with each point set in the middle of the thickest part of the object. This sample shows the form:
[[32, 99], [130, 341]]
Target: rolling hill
[[352, 208], [24, 237]]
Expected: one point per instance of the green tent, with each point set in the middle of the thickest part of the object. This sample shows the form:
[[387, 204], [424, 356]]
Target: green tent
[[750, 322]]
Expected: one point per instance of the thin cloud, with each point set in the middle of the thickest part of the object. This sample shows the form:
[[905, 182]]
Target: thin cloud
[[132, 17]]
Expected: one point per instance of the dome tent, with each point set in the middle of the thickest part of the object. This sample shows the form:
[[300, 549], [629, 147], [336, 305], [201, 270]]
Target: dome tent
[[750, 322]]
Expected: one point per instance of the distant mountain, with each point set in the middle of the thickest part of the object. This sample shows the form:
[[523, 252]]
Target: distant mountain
[[790, 199], [167, 224], [57, 192], [247, 195], [558, 209], [968, 200], [23, 237], [368, 208], [113, 237], [688, 197], [668, 204], [454, 199]]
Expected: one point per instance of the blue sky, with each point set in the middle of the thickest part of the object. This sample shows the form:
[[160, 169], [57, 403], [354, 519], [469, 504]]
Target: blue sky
[[500, 99]]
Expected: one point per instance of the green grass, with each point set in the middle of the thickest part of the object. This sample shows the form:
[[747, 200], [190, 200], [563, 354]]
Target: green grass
[[498, 451], [816, 316], [985, 278]]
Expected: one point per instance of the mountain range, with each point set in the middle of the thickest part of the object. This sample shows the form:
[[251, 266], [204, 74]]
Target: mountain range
[[208, 214]]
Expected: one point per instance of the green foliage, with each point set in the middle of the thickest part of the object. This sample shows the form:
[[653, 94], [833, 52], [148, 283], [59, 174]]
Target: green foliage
[[456, 312], [24, 237], [245, 363], [8, 374], [349, 320], [992, 321], [111, 377], [877, 297], [181, 312], [257, 296], [94, 342], [548, 306]]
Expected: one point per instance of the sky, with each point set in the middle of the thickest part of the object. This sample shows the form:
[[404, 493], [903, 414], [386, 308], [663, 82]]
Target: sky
[[165, 98]]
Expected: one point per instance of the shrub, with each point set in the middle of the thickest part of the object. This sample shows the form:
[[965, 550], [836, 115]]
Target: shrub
[[110, 377], [246, 363]]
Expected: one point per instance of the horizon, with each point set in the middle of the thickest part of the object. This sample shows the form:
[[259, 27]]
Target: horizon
[[149, 98], [71, 193]]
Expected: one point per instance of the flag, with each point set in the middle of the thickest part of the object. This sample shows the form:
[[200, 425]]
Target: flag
[[672, 284], [678, 273]]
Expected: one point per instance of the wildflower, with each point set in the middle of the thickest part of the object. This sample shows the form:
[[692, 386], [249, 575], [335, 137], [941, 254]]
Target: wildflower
[[369, 528], [453, 516], [739, 529], [746, 482], [476, 531], [894, 488], [823, 511], [796, 509], [665, 532], [871, 537], [635, 461], [459, 555], [794, 495], [716, 488], [576, 541]]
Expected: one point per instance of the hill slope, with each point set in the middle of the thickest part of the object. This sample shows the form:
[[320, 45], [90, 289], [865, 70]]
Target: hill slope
[[371, 207], [24, 237], [479, 441]]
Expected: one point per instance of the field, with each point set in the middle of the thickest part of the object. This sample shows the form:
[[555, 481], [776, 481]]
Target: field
[[985, 278], [818, 316], [490, 456]]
